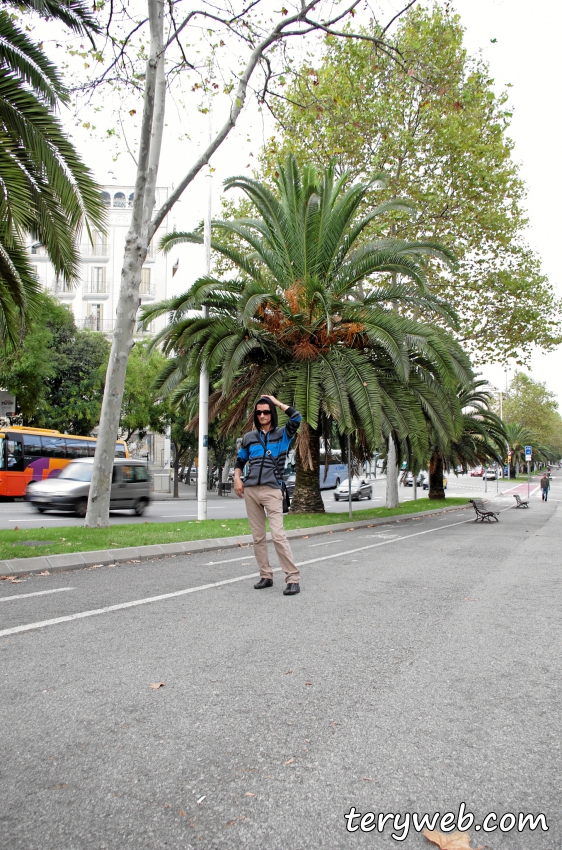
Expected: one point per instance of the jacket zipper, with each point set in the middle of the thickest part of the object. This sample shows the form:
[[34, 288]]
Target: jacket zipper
[[263, 459]]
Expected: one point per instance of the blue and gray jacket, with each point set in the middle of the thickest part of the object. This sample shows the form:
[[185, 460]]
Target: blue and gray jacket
[[258, 449]]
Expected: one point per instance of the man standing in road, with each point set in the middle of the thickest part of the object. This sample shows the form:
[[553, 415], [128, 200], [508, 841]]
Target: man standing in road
[[265, 450], [545, 487]]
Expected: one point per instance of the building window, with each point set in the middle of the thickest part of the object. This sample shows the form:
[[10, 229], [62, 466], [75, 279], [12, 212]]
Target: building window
[[145, 282], [100, 244], [98, 279], [94, 319], [106, 199], [119, 200], [131, 199]]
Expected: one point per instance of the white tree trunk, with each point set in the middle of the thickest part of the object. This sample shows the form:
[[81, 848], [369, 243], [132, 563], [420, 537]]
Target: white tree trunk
[[392, 500], [136, 248]]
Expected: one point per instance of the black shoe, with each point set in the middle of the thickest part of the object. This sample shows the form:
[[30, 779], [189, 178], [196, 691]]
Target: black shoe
[[263, 582], [292, 590]]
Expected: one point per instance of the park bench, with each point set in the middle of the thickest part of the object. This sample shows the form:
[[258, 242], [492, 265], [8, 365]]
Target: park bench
[[520, 503], [482, 511]]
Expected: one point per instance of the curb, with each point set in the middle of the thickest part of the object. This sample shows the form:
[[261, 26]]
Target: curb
[[110, 557]]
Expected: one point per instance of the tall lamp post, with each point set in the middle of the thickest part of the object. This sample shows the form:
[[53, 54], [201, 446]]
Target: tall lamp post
[[204, 377]]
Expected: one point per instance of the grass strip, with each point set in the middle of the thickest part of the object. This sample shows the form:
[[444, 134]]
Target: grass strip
[[79, 539]]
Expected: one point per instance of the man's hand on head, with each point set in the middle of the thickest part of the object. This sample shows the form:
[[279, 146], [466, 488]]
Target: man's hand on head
[[276, 402]]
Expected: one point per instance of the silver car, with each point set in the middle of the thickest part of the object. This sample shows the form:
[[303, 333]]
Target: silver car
[[360, 489], [69, 491]]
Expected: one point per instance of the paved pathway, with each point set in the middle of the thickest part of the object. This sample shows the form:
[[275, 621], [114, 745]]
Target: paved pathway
[[418, 669]]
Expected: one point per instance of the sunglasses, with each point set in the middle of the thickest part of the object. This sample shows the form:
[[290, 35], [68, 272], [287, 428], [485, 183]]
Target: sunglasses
[[263, 412]]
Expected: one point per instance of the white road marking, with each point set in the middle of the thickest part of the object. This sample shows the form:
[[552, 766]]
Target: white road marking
[[228, 561], [82, 615], [135, 603], [37, 593], [41, 519]]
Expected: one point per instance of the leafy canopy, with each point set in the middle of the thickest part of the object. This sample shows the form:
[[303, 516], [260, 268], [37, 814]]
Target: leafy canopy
[[439, 133]]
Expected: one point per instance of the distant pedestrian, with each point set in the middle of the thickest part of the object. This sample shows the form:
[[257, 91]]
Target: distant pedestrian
[[264, 450], [545, 487]]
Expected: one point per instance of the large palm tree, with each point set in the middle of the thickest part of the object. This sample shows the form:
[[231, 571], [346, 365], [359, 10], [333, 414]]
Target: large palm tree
[[315, 318], [46, 191], [480, 437]]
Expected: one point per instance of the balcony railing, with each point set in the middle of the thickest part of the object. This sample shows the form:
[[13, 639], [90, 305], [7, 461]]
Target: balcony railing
[[62, 289], [93, 323], [96, 287], [97, 250], [147, 290]]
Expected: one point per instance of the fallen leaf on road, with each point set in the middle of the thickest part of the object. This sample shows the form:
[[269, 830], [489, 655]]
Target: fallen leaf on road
[[308, 683], [182, 814], [452, 841], [155, 685], [45, 573], [288, 671], [14, 580], [306, 538], [290, 761], [367, 779], [16, 528], [249, 794]]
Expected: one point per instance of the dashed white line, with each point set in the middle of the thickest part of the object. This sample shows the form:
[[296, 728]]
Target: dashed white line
[[37, 593]]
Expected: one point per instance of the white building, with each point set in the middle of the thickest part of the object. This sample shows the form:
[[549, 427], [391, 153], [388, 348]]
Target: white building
[[94, 299]]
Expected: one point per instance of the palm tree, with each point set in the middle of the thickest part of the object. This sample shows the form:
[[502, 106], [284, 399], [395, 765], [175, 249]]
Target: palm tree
[[481, 437], [517, 437], [46, 190], [307, 321]]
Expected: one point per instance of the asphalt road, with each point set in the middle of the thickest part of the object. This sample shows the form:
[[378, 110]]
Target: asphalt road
[[419, 668], [24, 516]]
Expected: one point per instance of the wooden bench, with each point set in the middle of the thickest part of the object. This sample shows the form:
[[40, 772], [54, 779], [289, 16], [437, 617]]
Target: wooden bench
[[482, 511], [520, 503]]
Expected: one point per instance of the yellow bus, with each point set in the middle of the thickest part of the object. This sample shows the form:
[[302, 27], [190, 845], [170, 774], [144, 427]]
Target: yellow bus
[[32, 454]]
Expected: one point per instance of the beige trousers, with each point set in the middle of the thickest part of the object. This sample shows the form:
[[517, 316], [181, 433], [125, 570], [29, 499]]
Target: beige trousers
[[258, 501]]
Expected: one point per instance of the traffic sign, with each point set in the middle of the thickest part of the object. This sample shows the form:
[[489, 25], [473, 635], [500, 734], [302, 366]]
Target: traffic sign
[[528, 453], [509, 454]]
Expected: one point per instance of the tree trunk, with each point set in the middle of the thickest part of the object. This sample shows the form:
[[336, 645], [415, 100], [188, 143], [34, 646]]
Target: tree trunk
[[392, 500], [136, 248], [436, 490], [307, 498], [230, 461]]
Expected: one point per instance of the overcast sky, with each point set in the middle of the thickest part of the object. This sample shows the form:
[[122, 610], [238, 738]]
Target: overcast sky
[[525, 53]]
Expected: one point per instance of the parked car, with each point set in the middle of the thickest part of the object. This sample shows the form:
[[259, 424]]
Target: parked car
[[491, 474], [360, 489], [130, 487], [477, 472], [409, 480], [425, 484], [421, 480]]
